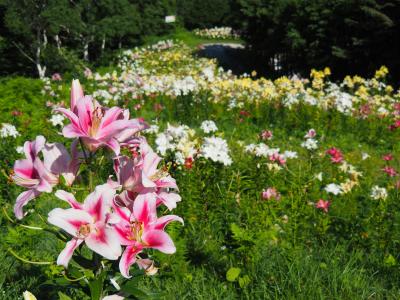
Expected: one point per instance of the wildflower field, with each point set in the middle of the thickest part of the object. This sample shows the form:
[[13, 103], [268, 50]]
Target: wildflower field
[[278, 189]]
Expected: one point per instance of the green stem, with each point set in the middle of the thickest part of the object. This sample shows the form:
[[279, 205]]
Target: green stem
[[84, 152], [29, 261], [90, 180]]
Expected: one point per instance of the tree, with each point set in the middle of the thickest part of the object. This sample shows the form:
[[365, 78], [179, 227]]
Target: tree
[[348, 35], [29, 22], [203, 13]]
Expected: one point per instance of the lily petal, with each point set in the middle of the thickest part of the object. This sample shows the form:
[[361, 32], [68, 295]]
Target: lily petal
[[114, 146], [70, 220], [56, 158], [160, 240], [22, 200], [168, 199], [110, 116], [128, 258], [165, 220], [72, 131], [65, 256], [105, 242], [68, 197], [144, 208], [97, 203], [70, 115], [76, 93]]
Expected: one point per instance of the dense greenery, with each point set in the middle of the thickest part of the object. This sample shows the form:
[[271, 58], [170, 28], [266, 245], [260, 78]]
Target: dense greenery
[[351, 36], [205, 13]]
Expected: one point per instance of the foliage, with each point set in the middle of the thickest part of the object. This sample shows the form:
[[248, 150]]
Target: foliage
[[203, 14], [88, 30], [350, 36]]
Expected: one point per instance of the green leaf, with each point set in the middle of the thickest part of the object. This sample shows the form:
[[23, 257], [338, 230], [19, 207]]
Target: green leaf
[[62, 296], [232, 274], [96, 286], [131, 288], [390, 261], [243, 281]]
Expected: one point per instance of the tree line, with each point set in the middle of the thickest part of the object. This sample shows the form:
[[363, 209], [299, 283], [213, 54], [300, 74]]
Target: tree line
[[284, 36], [350, 36], [44, 36]]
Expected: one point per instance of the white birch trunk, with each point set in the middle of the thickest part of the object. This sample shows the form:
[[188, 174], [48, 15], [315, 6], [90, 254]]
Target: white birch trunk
[[86, 51], [58, 41], [103, 44], [41, 69]]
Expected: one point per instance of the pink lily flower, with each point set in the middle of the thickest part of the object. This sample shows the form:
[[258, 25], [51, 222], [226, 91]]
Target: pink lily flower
[[87, 222], [40, 176], [276, 157], [323, 205], [266, 135], [310, 134], [387, 157], [95, 125], [336, 155], [140, 176], [390, 171], [142, 229], [271, 193]]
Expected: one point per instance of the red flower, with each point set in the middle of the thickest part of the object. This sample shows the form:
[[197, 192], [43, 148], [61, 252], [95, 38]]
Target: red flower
[[335, 154], [189, 163], [16, 113], [390, 171], [266, 134], [323, 205], [387, 157], [244, 113]]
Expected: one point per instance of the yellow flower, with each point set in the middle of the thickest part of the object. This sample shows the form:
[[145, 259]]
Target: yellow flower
[[381, 73], [389, 89], [28, 296], [348, 185], [327, 71]]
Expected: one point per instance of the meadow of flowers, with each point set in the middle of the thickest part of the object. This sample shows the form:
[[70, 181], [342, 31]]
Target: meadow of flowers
[[288, 188]]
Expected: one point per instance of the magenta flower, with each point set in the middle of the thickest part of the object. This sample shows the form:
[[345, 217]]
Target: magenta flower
[[142, 229], [323, 205], [139, 176], [40, 176], [95, 125], [56, 77], [387, 157], [389, 171], [266, 135], [336, 155], [311, 134], [276, 157], [88, 222], [271, 193]]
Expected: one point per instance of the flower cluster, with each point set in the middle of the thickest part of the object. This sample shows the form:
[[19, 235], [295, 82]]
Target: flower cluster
[[310, 143], [216, 149], [186, 146], [118, 219], [217, 33], [8, 130], [169, 68], [335, 154]]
